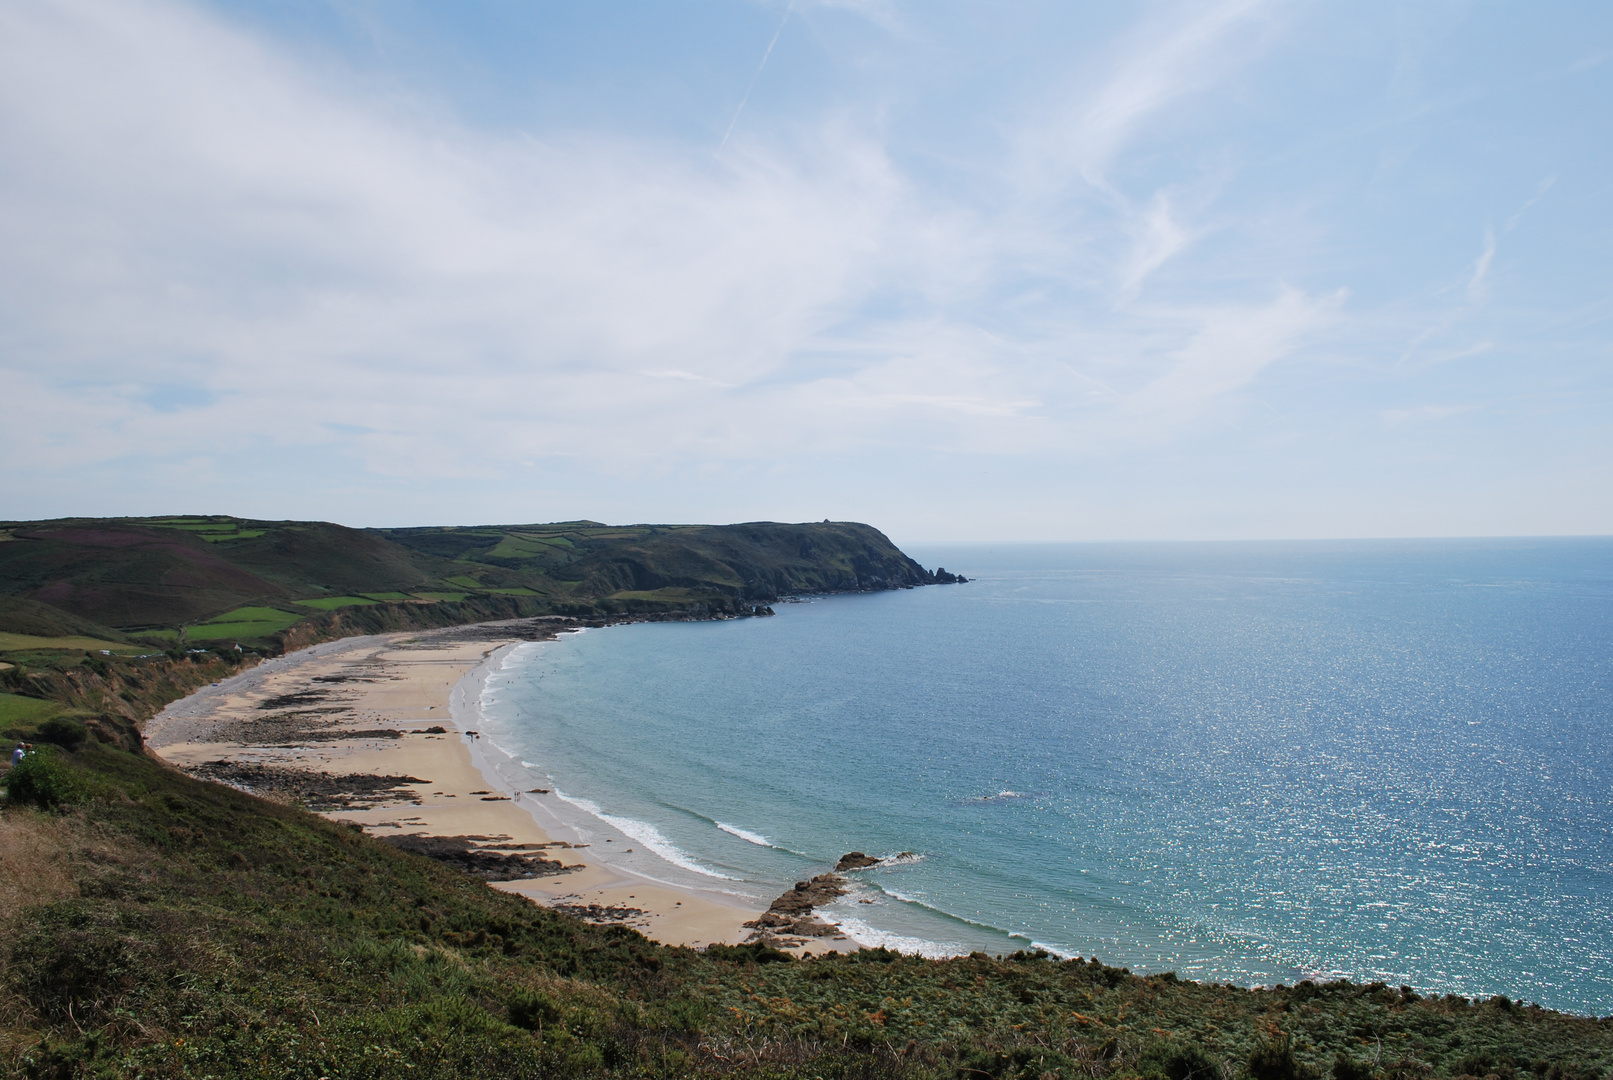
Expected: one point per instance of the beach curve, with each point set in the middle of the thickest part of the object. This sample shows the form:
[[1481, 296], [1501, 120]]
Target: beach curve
[[382, 732]]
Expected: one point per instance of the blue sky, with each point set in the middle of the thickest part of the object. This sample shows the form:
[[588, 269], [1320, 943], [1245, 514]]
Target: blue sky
[[1012, 271]]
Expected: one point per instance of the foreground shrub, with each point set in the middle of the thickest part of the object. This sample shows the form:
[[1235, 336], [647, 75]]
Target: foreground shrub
[[62, 731], [1274, 1060], [42, 779], [72, 962]]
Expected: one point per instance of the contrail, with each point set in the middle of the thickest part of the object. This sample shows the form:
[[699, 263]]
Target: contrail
[[788, 8]]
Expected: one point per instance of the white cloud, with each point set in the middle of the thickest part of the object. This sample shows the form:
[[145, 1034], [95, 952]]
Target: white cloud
[[1229, 351], [1180, 51], [183, 205], [360, 280]]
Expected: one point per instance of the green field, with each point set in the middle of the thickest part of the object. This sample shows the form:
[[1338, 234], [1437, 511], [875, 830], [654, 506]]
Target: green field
[[331, 603], [25, 710], [14, 642], [668, 596], [210, 529], [518, 546], [441, 596], [158, 635], [511, 592], [389, 597], [246, 622]]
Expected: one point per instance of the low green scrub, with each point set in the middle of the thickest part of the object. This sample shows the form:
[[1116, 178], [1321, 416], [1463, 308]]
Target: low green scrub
[[331, 603], [41, 779], [388, 597], [437, 597]]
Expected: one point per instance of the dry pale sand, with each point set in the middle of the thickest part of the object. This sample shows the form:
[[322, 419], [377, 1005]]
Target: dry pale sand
[[404, 682]]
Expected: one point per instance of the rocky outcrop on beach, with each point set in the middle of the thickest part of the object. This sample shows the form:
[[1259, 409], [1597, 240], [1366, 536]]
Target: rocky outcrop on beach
[[318, 791], [472, 855], [854, 860], [792, 912]]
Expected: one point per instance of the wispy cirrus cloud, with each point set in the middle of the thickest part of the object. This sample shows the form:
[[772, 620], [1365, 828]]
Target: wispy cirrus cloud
[[192, 203]]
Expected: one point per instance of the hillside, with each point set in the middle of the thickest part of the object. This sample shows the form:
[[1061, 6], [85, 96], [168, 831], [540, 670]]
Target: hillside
[[204, 581]]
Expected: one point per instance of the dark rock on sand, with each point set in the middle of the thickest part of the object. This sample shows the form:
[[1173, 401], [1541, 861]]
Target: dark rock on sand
[[601, 915], [465, 853], [791, 913], [319, 791]]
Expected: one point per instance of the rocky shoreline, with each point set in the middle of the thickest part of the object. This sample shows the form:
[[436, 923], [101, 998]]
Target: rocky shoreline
[[794, 912]]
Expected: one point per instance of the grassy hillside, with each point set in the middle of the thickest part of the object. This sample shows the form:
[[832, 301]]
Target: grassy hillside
[[159, 926], [207, 580]]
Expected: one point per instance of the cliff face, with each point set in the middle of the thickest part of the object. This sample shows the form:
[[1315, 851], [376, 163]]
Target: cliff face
[[259, 581], [758, 561]]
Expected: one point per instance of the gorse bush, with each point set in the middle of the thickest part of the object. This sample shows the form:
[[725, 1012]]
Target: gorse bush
[[1274, 1060], [1346, 1067], [63, 731], [42, 779]]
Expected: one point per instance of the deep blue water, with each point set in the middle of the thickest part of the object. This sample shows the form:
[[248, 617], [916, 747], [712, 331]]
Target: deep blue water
[[1255, 762]]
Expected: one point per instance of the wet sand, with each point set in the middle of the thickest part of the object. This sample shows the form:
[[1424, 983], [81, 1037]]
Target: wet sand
[[326, 723]]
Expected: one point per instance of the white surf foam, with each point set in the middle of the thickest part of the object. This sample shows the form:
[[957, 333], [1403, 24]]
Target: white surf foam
[[745, 834], [931, 950], [644, 833], [1062, 954]]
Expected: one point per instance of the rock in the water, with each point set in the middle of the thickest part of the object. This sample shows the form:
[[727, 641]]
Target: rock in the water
[[855, 860], [792, 912]]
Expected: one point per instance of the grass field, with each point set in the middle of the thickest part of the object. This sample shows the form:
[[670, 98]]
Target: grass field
[[440, 596], [671, 595], [246, 622], [25, 710], [331, 603], [391, 597], [211, 530], [14, 642], [516, 546], [511, 592]]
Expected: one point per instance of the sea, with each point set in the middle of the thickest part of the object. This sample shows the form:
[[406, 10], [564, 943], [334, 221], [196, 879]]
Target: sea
[[1245, 762]]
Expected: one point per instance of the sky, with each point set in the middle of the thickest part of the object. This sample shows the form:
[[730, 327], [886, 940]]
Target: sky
[[1018, 271]]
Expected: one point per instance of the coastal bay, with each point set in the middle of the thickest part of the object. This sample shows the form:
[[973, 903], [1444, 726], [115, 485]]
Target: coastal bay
[[368, 731]]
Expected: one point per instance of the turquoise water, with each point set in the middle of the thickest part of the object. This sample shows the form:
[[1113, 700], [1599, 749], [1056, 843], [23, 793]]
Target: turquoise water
[[1258, 763]]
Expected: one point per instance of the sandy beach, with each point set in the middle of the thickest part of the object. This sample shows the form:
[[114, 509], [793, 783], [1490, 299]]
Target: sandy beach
[[377, 731]]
